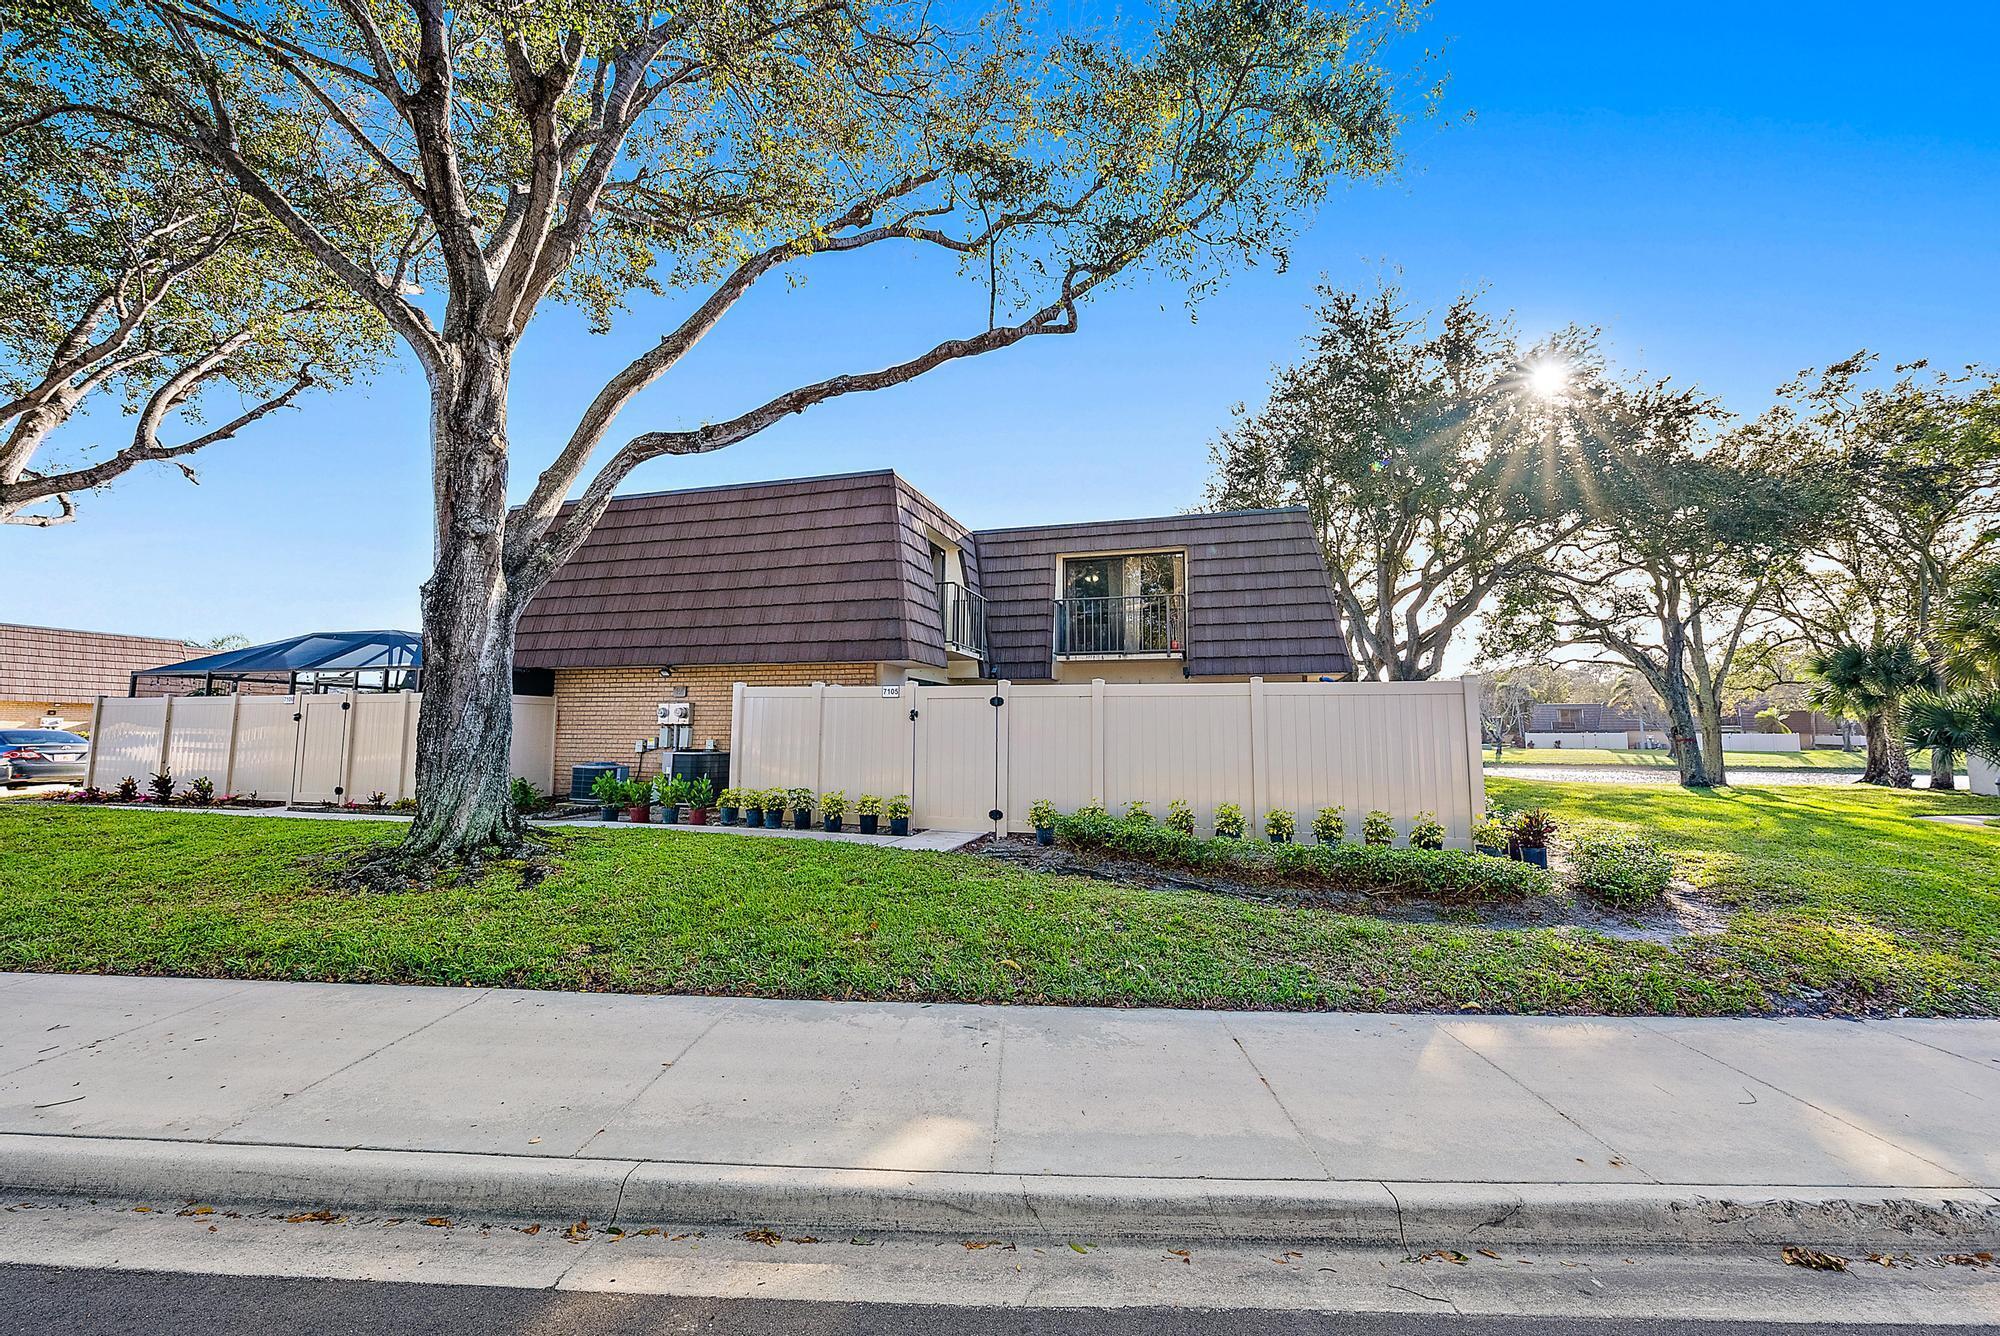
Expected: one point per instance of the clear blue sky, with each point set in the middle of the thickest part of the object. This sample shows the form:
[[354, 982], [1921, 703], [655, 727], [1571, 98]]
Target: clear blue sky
[[1733, 191]]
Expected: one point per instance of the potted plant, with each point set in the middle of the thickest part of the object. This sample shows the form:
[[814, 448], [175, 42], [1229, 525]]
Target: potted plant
[[1137, 814], [1042, 816], [774, 808], [801, 801], [1532, 830], [699, 795], [1378, 828], [1228, 821], [1489, 835], [609, 790], [729, 806], [1278, 825], [1427, 832], [869, 809], [832, 808], [1330, 825], [898, 811], [638, 798], [1180, 816]]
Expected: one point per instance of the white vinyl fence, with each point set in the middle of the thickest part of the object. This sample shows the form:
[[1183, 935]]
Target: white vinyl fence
[[307, 748], [975, 757], [1983, 774]]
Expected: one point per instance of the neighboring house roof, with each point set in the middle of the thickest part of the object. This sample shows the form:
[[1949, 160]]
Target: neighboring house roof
[[1258, 596], [46, 663], [805, 570], [315, 651], [1590, 718], [838, 569]]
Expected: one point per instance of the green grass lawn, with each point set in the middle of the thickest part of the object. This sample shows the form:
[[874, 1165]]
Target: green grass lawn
[[1837, 900], [1817, 758]]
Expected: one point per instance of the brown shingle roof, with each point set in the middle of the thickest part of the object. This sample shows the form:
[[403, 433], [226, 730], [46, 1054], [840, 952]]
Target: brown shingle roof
[[1259, 601], [47, 663], [837, 569], [798, 571]]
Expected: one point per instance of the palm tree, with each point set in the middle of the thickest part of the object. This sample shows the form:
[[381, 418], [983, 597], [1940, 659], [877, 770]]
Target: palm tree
[[1869, 683], [1944, 725], [1970, 628]]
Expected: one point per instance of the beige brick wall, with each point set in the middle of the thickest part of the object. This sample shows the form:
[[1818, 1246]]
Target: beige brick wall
[[28, 713], [601, 711]]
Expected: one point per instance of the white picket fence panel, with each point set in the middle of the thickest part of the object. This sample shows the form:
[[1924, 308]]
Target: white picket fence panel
[[1400, 747], [307, 748]]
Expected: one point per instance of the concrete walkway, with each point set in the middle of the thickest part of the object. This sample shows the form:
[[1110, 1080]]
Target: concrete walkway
[[1341, 1127]]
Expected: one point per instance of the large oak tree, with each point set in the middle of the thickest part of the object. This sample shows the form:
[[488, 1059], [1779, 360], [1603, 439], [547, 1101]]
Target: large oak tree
[[458, 167]]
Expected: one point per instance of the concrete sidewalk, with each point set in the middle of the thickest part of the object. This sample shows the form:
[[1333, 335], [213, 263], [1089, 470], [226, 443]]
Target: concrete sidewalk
[[1334, 1127]]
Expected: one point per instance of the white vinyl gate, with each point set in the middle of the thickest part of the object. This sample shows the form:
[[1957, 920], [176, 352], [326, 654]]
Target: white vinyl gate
[[976, 757], [306, 748]]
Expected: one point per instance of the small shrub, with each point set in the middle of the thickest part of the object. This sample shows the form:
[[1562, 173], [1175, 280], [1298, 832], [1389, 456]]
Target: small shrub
[[800, 800], [1378, 829], [162, 785], [1490, 832], [200, 793], [89, 794], [772, 800], [1427, 832], [833, 805], [1180, 817], [1095, 807], [699, 792], [1621, 867], [376, 799], [400, 805], [1137, 813], [128, 790], [1042, 814], [868, 804], [1330, 825], [523, 793], [608, 789], [1228, 821], [731, 798], [1279, 824], [897, 808]]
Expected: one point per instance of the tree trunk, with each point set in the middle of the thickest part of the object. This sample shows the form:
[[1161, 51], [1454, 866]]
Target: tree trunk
[[1710, 713], [1682, 736], [465, 726], [1944, 768], [1888, 758]]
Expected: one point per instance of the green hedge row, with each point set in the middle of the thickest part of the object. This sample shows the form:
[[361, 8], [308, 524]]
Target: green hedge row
[[1445, 874]]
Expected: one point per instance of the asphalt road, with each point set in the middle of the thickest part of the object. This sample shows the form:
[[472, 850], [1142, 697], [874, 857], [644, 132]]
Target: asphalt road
[[40, 1300]]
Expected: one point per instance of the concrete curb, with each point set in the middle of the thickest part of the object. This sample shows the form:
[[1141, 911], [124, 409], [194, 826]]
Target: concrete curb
[[633, 1193]]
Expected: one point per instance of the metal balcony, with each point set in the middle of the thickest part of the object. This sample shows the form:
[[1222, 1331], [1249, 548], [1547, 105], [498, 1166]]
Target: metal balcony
[[1144, 625], [963, 614]]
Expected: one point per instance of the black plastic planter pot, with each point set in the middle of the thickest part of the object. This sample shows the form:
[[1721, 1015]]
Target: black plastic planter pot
[[608, 813], [725, 816], [1280, 839], [869, 823], [832, 825], [670, 815], [899, 825], [1535, 857], [753, 816], [1045, 835], [802, 819]]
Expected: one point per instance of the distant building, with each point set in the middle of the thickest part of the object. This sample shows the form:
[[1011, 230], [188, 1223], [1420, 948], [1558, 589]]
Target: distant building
[[52, 676]]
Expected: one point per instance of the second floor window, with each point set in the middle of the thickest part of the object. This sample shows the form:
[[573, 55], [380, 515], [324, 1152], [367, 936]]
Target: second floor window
[[1132, 603]]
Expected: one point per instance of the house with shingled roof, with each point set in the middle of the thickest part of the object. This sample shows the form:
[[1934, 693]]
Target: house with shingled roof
[[860, 579]]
